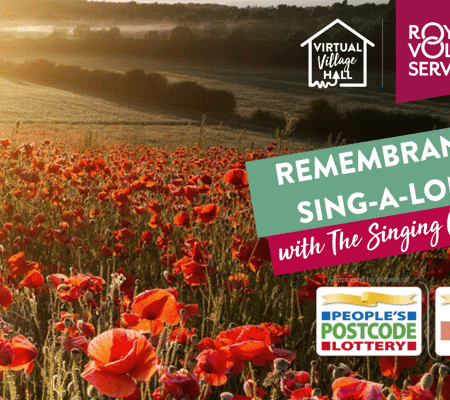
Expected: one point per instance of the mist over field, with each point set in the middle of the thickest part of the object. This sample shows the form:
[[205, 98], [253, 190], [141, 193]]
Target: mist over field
[[257, 3]]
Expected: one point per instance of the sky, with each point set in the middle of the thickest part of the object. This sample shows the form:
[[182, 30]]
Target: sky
[[262, 3]]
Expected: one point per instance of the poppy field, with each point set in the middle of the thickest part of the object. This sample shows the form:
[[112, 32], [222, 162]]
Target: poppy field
[[135, 272]]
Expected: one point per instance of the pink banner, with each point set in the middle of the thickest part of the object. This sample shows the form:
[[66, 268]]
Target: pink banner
[[359, 241], [422, 49]]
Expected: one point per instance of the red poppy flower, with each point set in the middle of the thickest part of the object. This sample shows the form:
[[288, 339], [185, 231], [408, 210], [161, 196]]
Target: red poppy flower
[[417, 393], [181, 385], [356, 389], [5, 296], [300, 394], [212, 366], [76, 327], [74, 342], [389, 363], [246, 344], [152, 308], [154, 207], [181, 335], [18, 265], [119, 356], [6, 143], [238, 282], [33, 279], [17, 355], [294, 380], [277, 332], [237, 177], [252, 253], [181, 219], [206, 213], [146, 237], [308, 292], [107, 252]]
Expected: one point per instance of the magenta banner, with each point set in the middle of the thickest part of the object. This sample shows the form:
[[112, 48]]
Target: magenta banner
[[359, 241], [423, 54]]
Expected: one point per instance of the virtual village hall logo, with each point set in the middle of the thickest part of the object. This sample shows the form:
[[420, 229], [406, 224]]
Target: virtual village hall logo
[[333, 62], [372, 321]]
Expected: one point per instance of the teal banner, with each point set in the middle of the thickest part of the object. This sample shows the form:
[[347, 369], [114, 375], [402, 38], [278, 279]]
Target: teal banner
[[350, 183]]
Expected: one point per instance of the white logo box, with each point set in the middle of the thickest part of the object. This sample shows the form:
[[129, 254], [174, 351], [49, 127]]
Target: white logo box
[[442, 312], [348, 326]]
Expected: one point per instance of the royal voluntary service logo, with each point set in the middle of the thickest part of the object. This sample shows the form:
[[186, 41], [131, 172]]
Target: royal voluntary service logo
[[423, 49]]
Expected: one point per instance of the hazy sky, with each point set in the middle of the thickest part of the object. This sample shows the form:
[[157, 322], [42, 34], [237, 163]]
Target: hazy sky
[[263, 3]]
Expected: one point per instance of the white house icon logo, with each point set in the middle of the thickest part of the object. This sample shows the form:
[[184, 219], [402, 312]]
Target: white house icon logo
[[337, 61]]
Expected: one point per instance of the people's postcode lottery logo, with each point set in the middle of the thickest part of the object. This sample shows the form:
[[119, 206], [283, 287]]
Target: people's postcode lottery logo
[[369, 321], [342, 60]]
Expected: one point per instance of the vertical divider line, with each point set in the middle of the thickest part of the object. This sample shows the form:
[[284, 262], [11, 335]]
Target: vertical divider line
[[382, 52]]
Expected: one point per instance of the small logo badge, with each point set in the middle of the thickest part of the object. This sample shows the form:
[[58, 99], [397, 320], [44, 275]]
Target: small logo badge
[[371, 321], [333, 62]]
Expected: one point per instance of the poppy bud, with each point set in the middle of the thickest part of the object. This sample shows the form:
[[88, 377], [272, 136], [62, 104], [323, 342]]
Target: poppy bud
[[194, 339], [392, 396], [71, 387], [182, 312], [68, 323], [426, 381], [226, 396], [80, 324], [248, 388], [406, 383], [166, 274], [435, 368], [92, 392], [281, 364], [232, 325], [338, 373], [316, 393], [314, 364], [443, 370], [345, 367], [63, 287], [386, 391]]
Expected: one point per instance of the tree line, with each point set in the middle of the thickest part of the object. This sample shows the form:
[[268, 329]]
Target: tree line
[[150, 88]]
